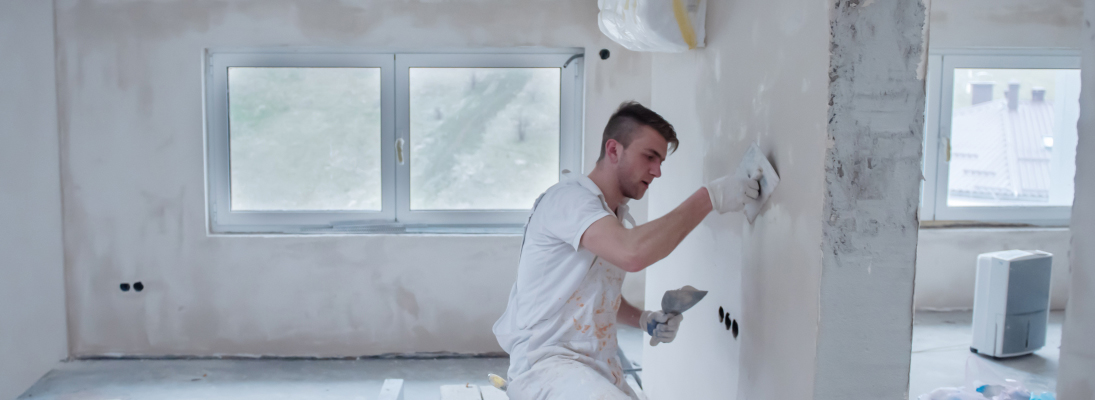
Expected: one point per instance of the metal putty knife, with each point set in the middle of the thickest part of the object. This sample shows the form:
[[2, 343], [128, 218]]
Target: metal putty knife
[[677, 302]]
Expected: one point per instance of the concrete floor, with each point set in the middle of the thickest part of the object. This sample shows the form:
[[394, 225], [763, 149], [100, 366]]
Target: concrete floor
[[270, 379], [941, 351]]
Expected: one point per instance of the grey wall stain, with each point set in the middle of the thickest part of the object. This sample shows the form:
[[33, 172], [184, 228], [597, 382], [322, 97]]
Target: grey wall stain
[[406, 301]]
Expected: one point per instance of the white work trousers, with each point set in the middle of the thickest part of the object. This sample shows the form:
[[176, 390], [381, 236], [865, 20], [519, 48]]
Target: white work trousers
[[561, 378]]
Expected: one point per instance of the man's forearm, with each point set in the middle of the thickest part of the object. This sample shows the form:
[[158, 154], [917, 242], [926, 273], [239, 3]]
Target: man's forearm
[[654, 240], [628, 314]]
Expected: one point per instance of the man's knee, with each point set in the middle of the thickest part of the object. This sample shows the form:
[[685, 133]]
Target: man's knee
[[564, 380]]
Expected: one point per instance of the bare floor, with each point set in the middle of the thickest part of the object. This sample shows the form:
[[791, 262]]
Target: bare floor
[[270, 379], [941, 352]]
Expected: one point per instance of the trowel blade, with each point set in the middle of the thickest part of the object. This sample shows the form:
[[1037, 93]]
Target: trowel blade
[[680, 300]]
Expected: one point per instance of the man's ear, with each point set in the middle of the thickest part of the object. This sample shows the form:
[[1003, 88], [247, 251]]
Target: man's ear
[[612, 150]]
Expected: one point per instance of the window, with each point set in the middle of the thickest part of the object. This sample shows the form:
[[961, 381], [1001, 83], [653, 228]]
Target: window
[[1000, 136], [309, 142]]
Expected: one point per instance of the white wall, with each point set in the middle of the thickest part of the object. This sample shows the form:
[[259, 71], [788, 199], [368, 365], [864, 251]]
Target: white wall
[[762, 78], [32, 297], [1075, 379], [1005, 23], [129, 78], [946, 261]]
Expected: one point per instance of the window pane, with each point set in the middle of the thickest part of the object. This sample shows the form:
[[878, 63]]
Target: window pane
[[304, 138], [483, 138], [1013, 137]]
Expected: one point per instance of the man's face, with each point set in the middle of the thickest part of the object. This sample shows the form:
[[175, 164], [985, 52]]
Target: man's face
[[641, 162]]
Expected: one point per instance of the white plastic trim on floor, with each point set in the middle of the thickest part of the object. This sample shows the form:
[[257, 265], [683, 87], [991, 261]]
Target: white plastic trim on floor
[[392, 390], [493, 393], [472, 392], [461, 392]]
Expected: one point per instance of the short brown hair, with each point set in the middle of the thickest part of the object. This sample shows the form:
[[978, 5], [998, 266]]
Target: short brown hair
[[627, 119]]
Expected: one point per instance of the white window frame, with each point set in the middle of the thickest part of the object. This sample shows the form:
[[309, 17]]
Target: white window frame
[[940, 89], [396, 215]]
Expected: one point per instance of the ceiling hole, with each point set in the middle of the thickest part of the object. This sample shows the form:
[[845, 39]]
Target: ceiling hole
[[124, 287], [727, 323], [604, 54], [735, 329], [138, 286], [721, 315]]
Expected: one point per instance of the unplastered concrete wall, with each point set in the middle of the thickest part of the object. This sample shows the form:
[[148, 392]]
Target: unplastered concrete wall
[[872, 193], [1005, 23], [946, 262], [821, 285], [33, 338], [130, 89], [1075, 379], [763, 78]]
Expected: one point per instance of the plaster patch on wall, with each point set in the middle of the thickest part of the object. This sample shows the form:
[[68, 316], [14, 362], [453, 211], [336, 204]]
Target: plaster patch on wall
[[872, 172]]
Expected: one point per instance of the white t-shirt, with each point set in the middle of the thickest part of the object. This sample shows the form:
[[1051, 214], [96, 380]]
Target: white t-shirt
[[553, 265]]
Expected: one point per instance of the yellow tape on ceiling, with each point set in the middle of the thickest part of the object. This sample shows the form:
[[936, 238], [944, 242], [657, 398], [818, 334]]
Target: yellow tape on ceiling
[[684, 23]]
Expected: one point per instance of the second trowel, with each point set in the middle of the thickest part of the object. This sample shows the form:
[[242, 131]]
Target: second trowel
[[676, 302]]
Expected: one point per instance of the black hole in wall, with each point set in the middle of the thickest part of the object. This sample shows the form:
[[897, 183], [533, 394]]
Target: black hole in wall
[[138, 286], [721, 314], [727, 321], [124, 287], [735, 329], [604, 54]]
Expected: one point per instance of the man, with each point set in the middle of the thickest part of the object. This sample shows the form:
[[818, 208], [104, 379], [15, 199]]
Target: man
[[560, 323]]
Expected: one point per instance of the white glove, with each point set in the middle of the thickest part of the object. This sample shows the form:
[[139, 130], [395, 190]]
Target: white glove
[[730, 192], [661, 327]]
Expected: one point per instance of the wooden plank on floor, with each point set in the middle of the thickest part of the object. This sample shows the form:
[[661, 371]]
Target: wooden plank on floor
[[492, 393], [460, 392], [392, 390]]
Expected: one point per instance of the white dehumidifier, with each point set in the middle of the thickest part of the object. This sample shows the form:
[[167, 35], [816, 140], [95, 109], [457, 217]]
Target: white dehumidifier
[[1011, 302]]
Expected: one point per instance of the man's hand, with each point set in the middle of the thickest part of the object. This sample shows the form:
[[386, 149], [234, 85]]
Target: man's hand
[[730, 192], [661, 327]]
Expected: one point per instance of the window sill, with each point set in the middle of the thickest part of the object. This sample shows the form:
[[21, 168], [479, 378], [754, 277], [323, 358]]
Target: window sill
[[987, 224], [375, 230]]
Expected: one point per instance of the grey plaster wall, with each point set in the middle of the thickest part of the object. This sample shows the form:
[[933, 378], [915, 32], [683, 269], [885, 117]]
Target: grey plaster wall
[[32, 297], [1006, 23], [872, 192], [946, 261], [130, 89], [1075, 379]]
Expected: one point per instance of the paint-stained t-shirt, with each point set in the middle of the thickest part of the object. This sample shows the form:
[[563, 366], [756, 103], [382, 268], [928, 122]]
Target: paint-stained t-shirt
[[553, 266]]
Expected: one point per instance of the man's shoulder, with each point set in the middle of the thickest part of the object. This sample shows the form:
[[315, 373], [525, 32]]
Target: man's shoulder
[[567, 191]]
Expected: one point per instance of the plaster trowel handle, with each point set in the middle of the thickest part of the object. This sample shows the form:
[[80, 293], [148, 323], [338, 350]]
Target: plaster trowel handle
[[650, 326]]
